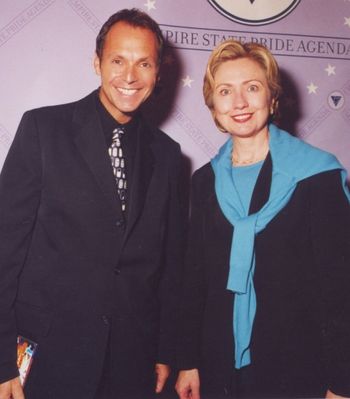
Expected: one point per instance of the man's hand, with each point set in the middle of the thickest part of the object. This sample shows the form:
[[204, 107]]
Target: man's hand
[[162, 372], [11, 389], [187, 384]]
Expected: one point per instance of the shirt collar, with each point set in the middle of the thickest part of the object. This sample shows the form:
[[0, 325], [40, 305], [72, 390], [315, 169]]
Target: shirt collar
[[109, 123]]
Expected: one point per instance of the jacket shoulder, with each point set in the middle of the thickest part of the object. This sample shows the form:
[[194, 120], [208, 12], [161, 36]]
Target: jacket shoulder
[[59, 111], [163, 138], [162, 144], [328, 183], [55, 107], [53, 114], [204, 174], [203, 184]]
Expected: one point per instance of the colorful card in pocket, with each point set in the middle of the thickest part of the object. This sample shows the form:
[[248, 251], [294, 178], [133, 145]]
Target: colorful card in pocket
[[25, 354]]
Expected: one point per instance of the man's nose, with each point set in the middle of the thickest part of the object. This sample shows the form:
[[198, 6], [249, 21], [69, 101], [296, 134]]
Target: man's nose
[[130, 74]]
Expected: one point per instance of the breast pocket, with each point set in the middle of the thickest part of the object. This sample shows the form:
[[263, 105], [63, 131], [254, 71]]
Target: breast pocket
[[33, 321]]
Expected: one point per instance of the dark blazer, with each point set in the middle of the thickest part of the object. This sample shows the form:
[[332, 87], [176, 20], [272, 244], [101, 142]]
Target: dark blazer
[[301, 336], [74, 276]]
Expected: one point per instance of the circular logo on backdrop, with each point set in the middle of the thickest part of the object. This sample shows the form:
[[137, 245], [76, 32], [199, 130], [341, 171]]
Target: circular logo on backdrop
[[254, 12]]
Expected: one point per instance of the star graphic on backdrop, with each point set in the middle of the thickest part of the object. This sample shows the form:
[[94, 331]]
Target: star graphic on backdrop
[[330, 70], [187, 81], [347, 21], [151, 5], [312, 88]]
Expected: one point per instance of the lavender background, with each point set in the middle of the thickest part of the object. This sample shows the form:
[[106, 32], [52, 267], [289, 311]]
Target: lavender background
[[47, 49]]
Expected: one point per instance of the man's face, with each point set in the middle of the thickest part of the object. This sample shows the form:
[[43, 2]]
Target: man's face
[[128, 69]]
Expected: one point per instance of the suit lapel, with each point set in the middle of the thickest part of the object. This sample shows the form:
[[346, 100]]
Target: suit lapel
[[143, 170], [90, 141]]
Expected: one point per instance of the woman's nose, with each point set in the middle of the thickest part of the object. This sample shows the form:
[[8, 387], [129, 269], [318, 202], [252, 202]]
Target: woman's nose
[[239, 100]]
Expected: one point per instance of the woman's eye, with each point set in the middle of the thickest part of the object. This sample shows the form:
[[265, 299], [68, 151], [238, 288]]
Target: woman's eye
[[224, 92]]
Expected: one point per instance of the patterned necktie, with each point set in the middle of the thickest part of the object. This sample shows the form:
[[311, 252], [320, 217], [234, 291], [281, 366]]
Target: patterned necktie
[[115, 152]]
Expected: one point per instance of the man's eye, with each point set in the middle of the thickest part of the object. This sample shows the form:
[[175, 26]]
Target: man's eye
[[117, 61], [253, 88]]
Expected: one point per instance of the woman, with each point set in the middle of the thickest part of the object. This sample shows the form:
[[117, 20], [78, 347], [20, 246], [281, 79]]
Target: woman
[[266, 303]]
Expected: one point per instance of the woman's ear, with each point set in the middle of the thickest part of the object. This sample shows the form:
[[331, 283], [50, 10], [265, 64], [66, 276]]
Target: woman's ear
[[273, 106]]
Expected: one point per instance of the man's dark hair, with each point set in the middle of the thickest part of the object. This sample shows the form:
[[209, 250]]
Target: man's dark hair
[[135, 18]]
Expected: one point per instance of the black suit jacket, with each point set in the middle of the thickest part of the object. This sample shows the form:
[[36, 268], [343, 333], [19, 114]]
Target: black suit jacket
[[74, 276], [301, 335]]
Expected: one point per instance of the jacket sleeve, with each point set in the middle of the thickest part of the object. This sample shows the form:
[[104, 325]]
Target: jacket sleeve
[[193, 287], [174, 247], [20, 184], [330, 215]]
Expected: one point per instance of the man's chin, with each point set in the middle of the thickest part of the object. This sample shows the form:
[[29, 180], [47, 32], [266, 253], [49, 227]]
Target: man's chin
[[128, 113]]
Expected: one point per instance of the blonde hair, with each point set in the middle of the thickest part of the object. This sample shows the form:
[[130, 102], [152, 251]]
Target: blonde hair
[[231, 50]]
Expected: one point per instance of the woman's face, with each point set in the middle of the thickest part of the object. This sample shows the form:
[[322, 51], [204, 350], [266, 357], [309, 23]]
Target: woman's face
[[241, 98]]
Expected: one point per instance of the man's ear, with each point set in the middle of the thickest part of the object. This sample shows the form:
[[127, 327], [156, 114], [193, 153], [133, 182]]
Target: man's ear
[[97, 65]]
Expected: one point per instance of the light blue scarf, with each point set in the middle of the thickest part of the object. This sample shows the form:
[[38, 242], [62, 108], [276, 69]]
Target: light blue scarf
[[292, 161]]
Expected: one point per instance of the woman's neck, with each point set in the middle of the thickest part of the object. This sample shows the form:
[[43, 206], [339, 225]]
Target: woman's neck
[[249, 150]]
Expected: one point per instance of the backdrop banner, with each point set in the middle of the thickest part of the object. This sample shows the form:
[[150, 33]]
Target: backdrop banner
[[47, 50]]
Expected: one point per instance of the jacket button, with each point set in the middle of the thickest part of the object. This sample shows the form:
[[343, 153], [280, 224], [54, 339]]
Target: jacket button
[[120, 223], [116, 270], [105, 320]]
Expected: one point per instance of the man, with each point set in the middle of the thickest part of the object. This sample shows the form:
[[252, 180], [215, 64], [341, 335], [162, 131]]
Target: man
[[91, 234]]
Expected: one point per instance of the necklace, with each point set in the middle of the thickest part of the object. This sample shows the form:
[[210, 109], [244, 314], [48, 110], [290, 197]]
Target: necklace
[[256, 153], [249, 161]]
